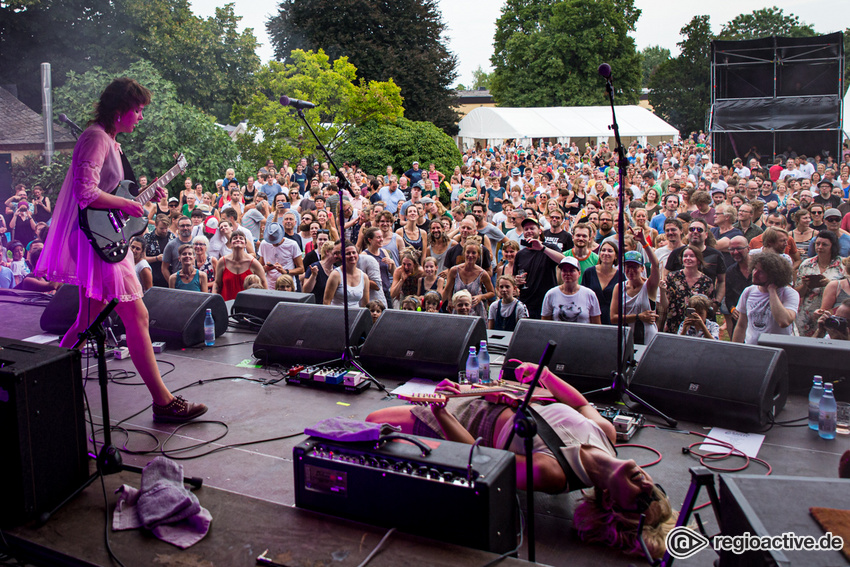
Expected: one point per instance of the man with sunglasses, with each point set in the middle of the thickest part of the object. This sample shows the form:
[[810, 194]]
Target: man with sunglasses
[[713, 264], [832, 218], [556, 235]]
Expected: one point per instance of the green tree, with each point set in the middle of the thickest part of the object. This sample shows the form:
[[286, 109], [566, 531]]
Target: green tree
[[399, 143], [547, 52], [342, 104], [765, 23], [168, 127], [400, 40], [210, 63], [481, 79], [651, 58], [680, 88]]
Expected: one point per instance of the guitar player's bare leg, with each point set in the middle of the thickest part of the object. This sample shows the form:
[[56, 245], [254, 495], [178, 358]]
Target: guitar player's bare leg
[[396, 415], [134, 315]]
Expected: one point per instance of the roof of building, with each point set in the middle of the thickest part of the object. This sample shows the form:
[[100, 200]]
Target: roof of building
[[21, 126]]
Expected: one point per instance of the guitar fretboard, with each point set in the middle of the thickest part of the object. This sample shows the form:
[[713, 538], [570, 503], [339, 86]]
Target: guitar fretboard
[[166, 178]]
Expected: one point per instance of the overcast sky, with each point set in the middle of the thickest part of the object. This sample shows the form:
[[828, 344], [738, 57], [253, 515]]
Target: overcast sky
[[472, 23]]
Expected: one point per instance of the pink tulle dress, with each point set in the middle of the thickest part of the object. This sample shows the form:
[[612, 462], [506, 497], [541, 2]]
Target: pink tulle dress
[[68, 257]]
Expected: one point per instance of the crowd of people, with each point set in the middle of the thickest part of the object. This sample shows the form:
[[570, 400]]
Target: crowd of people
[[519, 232]]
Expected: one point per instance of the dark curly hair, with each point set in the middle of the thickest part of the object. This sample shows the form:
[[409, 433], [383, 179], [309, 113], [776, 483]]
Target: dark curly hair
[[120, 96], [777, 268]]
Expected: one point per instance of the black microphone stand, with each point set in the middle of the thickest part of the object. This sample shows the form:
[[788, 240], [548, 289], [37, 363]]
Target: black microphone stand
[[347, 356], [619, 385], [109, 459], [526, 428]]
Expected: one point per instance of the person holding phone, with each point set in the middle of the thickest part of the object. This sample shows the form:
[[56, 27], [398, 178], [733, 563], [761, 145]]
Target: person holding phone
[[697, 323]]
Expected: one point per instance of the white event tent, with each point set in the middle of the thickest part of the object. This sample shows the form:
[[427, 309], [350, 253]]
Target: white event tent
[[492, 126]]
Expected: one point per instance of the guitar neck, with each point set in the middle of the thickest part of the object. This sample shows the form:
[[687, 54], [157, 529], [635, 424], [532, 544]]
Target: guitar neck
[[166, 178]]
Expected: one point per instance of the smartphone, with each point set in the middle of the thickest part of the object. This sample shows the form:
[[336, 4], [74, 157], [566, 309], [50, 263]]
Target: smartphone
[[689, 311]]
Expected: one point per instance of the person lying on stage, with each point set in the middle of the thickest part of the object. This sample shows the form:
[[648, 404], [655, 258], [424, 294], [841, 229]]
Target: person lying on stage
[[68, 257], [622, 490]]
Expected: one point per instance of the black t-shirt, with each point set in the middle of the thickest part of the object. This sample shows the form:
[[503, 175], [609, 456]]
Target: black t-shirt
[[831, 202], [735, 284], [541, 277], [454, 256], [563, 241], [712, 259]]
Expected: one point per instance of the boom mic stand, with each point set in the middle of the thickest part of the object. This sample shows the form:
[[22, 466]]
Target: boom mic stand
[[619, 385], [347, 356], [109, 458]]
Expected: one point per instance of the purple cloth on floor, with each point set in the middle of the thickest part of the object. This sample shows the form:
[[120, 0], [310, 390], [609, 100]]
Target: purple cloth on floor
[[344, 429]]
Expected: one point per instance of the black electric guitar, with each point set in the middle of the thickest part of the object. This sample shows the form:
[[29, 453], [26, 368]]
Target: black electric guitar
[[110, 230]]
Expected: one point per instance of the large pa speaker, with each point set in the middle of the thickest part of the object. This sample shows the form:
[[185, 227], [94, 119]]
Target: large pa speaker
[[808, 357], [585, 355], [177, 316], [300, 333], [407, 344], [61, 312], [260, 302], [43, 439], [713, 382]]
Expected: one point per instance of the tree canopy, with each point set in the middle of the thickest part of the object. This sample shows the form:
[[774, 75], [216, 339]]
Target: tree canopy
[[168, 126], [342, 104], [679, 89], [209, 62], [765, 23], [399, 143], [400, 40], [547, 52], [651, 58]]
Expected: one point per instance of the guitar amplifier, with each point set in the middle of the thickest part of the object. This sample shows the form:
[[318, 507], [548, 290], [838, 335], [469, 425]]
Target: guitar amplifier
[[397, 485]]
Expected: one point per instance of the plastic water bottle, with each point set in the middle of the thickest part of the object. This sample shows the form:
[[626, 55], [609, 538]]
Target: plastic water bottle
[[826, 421], [814, 402], [483, 363], [472, 367], [209, 329]]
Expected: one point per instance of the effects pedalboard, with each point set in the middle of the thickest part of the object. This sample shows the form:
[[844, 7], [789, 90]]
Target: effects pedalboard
[[328, 378], [627, 423]]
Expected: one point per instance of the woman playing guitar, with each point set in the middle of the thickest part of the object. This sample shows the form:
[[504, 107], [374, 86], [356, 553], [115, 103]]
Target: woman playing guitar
[[68, 256], [622, 490]]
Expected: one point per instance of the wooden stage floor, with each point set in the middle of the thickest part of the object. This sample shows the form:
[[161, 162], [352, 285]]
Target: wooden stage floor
[[250, 489]]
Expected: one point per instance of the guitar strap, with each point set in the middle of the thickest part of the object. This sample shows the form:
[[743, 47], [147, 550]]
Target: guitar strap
[[548, 435], [128, 173]]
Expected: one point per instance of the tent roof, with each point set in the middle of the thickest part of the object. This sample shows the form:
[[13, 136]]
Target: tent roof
[[552, 122]]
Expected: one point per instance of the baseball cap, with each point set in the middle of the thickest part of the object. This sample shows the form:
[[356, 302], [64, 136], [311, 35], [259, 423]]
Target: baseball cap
[[634, 257], [717, 190], [173, 200], [832, 213], [426, 200], [569, 260], [415, 163], [528, 220], [211, 225]]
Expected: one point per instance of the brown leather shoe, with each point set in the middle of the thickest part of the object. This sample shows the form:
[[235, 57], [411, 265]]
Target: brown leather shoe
[[178, 411]]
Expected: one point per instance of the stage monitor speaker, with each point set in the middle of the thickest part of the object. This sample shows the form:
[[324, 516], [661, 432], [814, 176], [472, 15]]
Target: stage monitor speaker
[[177, 316], [713, 382], [585, 357], [808, 357], [61, 312], [260, 302], [301, 333], [43, 439], [408, 344]]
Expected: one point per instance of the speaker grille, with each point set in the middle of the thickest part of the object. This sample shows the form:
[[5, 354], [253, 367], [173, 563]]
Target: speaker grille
[[177, 316]]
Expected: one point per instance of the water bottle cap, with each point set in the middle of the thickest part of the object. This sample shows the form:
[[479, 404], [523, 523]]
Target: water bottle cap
[[209, 310]]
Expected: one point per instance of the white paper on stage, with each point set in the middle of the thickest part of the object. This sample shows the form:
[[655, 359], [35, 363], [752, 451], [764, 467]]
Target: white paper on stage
[[416, 386], [42, 339], [747, 443]]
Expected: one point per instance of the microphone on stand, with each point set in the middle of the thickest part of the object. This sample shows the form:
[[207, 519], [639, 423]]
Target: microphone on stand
[[74, 128], [295, 103], [605, 71]]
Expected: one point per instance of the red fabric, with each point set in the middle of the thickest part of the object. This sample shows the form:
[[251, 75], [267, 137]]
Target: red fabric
[[232, 284]]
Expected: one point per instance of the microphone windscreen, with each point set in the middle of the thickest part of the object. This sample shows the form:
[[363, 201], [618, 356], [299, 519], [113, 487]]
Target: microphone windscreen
[[605, 70], [284, 100], [63, 117]]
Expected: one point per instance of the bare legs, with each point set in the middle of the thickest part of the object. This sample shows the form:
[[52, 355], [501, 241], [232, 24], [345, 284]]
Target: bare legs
[[134, 314], [396, 415]]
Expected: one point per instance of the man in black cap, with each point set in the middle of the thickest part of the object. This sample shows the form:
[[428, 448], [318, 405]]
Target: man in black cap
[[825, 196], [535, 267]]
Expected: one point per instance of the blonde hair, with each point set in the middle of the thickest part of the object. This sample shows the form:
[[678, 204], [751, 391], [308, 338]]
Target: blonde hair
[[460, 295], [284, 280], [598, 520], [251, 281]]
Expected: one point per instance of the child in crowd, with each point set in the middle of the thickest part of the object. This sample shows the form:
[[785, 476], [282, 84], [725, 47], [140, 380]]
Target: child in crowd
[[253, 282], [375, 309], [462, 303], [284, 283], [432, 301], [696, 323], [410, 303], [505, 313]]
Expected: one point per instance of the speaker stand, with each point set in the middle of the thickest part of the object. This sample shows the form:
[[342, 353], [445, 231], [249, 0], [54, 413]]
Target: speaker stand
[[348, 356], [109, 459]]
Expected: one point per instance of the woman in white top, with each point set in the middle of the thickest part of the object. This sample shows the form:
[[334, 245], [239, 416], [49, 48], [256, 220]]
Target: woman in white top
[[143, 268], [639, 293], [358, 283]]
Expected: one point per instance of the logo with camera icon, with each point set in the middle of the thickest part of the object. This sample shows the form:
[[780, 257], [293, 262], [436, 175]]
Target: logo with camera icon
[[683, 542]]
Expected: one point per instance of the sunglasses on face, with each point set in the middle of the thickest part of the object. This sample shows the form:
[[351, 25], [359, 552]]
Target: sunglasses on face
[[697, 229]]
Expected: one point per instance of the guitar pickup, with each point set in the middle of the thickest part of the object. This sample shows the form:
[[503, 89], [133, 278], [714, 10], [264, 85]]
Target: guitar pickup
[[116, 218]]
